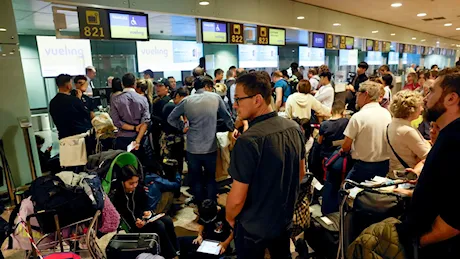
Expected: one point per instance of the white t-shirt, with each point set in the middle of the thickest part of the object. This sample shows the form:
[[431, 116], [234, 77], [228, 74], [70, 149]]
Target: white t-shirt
[[368, 129], [314, 82], [325, 95]]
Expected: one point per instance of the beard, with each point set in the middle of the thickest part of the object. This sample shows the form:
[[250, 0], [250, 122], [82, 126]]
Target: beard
[[434, 113]]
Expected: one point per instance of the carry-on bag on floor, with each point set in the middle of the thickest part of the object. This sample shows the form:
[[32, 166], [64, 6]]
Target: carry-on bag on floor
[[369, 206], [323, 235], [129, 246]]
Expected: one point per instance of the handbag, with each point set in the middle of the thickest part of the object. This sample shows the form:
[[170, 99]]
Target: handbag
[[72, 150], [404, 164]]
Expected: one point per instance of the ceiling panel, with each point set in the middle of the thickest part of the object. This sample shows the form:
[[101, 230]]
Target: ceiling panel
[[29, 5], [404, 16]]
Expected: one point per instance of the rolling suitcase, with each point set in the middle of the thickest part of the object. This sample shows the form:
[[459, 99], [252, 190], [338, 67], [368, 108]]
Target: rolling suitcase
[[129, 246]]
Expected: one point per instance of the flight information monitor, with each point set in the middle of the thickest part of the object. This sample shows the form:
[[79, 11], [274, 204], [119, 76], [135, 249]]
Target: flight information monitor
[[128, 26]]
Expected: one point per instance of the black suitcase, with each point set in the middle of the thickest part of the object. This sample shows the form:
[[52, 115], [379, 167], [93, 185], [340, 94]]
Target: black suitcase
[[324, 238], [129, 246]]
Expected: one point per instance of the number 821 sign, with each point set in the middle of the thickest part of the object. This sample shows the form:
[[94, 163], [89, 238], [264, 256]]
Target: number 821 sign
[[93, 23]]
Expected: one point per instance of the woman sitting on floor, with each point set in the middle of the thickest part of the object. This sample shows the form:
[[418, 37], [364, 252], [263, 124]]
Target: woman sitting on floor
[[130, 200]]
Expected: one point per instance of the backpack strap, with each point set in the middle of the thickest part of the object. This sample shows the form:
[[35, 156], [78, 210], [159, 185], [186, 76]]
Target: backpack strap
[[396, 154]]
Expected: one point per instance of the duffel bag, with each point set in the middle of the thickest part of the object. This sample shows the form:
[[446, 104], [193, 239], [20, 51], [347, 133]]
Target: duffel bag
[[51, 196], [129, 246]]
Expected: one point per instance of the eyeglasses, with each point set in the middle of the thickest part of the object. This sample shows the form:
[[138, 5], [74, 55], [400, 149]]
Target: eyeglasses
[[237, 100]]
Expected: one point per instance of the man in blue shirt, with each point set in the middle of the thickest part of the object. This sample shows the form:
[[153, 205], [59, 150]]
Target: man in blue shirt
[[282, 89], [200, 112]]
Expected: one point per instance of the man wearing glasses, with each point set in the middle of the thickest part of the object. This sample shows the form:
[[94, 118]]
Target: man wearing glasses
[[81, 85], [266, 165], [200, 111]]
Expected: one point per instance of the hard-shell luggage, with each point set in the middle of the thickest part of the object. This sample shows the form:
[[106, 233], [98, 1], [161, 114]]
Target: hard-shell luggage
[[129, 246]]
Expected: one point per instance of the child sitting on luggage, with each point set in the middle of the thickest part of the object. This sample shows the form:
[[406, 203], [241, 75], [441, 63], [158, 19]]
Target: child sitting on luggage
[[212, 226], [331, 131]]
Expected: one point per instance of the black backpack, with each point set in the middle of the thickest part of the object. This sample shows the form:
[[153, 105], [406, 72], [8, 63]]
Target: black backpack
[[50, 194]]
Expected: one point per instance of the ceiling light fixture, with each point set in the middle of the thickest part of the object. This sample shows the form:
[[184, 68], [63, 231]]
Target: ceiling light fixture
[[2, 30], [413, 38], [204, 3], [423, 40], [393, 34], [437, 42], [396, 5], [448, 24], [375, 31], [421, 14], [458, 29], [3, 54], [300, 17], [336, 24]]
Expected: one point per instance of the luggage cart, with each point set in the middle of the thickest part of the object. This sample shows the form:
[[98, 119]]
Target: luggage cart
[[370, 205], [68, 238]]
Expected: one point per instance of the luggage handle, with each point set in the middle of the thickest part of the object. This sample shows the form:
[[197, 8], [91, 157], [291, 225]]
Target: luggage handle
[[372, 188]]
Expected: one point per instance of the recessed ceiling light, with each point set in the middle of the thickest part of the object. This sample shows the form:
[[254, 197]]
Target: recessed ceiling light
[[2, 30], [396, 5], [413, 38], [204, 3], [458, 29], [421, 14], [393, 34], [300, 17], [336, 24], [3, 54], [437, 42], [423, 40], [447, 24], [375, 31], [11, 53]]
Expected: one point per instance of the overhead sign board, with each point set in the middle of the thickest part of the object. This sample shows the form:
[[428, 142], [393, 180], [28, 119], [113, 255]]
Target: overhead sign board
[[128, 25], [262, 35], [318, 40], [214, 31], [329, 41], [236, 33], [349, 43], [93, 23], [277, 36]]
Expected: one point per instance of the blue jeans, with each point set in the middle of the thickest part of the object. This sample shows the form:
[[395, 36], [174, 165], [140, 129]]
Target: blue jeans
[[363, 171], [200, 179]]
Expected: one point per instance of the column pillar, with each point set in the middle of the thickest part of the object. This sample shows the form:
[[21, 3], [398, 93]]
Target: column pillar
[[14, 104]]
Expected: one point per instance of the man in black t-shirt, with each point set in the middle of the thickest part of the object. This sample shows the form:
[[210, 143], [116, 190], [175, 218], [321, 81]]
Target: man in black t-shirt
[[68, 112], [81, 84], [434, 216], [267, 163], [354, 86]]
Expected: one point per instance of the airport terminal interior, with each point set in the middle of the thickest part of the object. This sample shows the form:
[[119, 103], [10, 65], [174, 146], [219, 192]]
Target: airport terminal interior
[[190, 129]]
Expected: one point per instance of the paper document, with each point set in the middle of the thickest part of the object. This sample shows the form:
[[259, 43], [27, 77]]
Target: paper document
[[130, 147], [316, 184], [209, 247], [326, 220]]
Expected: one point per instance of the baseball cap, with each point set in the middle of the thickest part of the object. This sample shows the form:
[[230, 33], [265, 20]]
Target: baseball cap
[[162, 81]]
